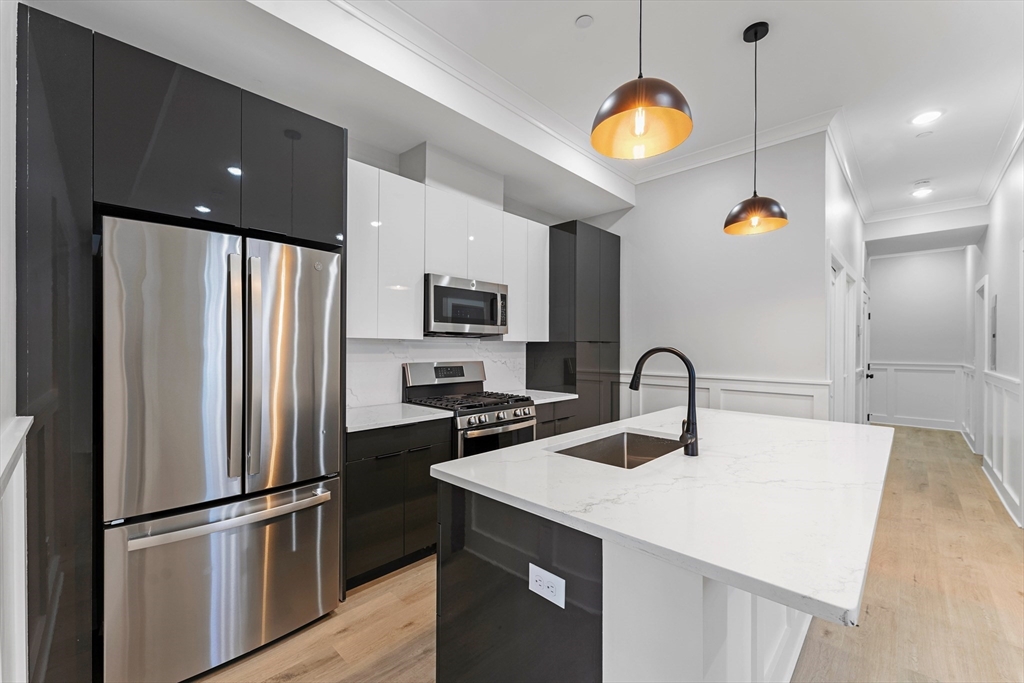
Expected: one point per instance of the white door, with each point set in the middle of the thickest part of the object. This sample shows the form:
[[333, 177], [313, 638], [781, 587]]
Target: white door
[[837, 347], [485, 243], [516, 276], [400, 262], [363, 224], [863, 340], [538, 264], [980, 363], [446, 237]]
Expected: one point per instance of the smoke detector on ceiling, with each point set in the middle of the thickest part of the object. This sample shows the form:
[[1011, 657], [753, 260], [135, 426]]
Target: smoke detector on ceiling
[[584, 21]]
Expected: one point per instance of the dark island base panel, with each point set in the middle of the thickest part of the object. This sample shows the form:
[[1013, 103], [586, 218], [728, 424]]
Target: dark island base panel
[[490, 626]]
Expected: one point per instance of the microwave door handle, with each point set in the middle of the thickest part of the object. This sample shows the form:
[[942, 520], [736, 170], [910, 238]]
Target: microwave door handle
[[255, 364], [236, 351]]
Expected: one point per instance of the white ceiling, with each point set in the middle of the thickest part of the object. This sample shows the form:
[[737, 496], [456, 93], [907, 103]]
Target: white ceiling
[[512, 85], [878, 63]]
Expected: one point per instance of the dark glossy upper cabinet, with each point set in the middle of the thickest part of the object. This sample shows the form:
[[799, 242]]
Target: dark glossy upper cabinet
[[293, 178], [610, 283], [584, 284], [165, 136]]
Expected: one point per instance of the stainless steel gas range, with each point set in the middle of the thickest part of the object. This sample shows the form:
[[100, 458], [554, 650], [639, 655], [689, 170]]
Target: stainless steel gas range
[[482, 421]]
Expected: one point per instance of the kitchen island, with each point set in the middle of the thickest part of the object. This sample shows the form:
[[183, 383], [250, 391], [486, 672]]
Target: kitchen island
[[703, 568]]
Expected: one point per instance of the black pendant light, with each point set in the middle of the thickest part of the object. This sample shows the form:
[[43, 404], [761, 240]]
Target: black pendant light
[[641, 118], [755, 214]]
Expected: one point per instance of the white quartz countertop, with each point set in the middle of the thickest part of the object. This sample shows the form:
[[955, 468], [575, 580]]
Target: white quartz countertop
[[392, 414], [783, 508]]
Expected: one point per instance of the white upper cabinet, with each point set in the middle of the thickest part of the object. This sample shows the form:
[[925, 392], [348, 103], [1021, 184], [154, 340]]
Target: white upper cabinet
[[485, 243], [516, 276], [363, 194], [400, 263], [537, 266], [447, 237]]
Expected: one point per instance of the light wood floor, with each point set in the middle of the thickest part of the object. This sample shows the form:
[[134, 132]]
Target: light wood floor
[[944, 598]]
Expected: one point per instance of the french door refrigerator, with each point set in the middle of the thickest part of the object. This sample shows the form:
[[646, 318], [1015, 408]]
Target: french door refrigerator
[[221, 445]]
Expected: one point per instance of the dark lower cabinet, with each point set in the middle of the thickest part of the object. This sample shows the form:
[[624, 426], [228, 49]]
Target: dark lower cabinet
[[293, 171], [556, 418], [390, 497], [490, 626], [55, 382], [421, 495], [374, 512], [165, 136]]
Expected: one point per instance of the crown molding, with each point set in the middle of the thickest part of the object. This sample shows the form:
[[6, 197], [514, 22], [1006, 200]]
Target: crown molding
[[766, 138], [397, 24], [842, 144], [1009, 141], [937, 207]]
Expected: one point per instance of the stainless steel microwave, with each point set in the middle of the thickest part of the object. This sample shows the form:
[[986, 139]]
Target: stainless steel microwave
[[457, 307]]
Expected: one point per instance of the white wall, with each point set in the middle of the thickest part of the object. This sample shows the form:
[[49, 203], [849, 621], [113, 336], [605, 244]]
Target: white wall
[[918, 308], [375, 365], [999, 249], [926, 223], [843, 223], [738, 306], [436, 167]]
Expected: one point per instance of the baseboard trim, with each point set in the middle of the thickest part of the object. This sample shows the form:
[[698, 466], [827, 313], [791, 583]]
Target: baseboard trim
[[1013, 510]]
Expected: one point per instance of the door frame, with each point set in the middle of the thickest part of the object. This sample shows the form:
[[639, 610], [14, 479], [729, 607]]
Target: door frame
[[980, 366], [852, 281]]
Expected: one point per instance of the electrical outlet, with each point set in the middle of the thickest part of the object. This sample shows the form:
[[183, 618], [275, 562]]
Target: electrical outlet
[[547, 585]]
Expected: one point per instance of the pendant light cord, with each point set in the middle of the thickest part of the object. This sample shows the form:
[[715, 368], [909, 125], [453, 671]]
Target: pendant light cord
[[640, 41], [755, 117]]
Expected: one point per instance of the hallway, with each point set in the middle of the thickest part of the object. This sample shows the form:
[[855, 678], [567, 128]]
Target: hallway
[[945, 591], [944, 597]]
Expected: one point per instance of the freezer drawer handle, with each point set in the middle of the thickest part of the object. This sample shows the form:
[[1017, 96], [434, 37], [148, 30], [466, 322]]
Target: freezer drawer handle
[[255, 364], [472, 434], [236, 356], [318, 498]]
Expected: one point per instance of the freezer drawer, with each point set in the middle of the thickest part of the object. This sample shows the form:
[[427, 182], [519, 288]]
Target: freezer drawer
[[189, 592]]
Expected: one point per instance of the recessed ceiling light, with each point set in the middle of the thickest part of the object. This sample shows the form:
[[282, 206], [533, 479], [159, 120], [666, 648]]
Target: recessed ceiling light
[[234, 170], [924, 134], [584, 21], [203, 209], [922, 188], [374, 224], [470, 238], [925, 118]]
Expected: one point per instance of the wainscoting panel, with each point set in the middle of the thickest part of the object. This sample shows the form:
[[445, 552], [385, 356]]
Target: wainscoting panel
[[1003, 441], [790, 399], [917, 394]]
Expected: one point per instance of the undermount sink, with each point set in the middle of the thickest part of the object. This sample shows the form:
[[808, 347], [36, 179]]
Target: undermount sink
[[625, 449]]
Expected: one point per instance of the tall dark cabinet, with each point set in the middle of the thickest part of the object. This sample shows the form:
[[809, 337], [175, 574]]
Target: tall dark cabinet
[[582, 355], [54, 338], [104, 128]]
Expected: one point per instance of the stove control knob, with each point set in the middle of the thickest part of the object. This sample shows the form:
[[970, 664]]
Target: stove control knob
[[483, 419], [502, 415], [472, 421], [527, 411], [518, 412]]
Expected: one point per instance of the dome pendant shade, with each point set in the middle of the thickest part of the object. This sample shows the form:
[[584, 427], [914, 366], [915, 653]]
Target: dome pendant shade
[[755, 215], [640, 119]]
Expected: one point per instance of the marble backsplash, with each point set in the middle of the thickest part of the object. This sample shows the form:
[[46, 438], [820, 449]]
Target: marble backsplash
[[374, 371]]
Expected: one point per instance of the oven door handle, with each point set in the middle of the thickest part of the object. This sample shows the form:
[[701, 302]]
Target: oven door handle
[[473, 433]]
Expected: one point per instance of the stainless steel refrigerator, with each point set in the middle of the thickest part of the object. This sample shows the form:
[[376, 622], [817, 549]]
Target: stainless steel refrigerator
[[221, 445]]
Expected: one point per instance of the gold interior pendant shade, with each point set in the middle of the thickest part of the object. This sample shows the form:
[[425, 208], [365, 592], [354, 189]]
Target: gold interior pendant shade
[[641, 118], [755, 214]]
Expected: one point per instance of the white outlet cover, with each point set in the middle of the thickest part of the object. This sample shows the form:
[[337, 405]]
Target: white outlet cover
[[547, 585]]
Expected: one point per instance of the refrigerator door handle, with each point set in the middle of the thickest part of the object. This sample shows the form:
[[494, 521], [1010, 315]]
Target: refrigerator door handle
[[255, 364], [236, 350], [318, 498]]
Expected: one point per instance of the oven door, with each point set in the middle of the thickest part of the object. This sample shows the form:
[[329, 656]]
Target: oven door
[[460, 307], [486, 439]]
